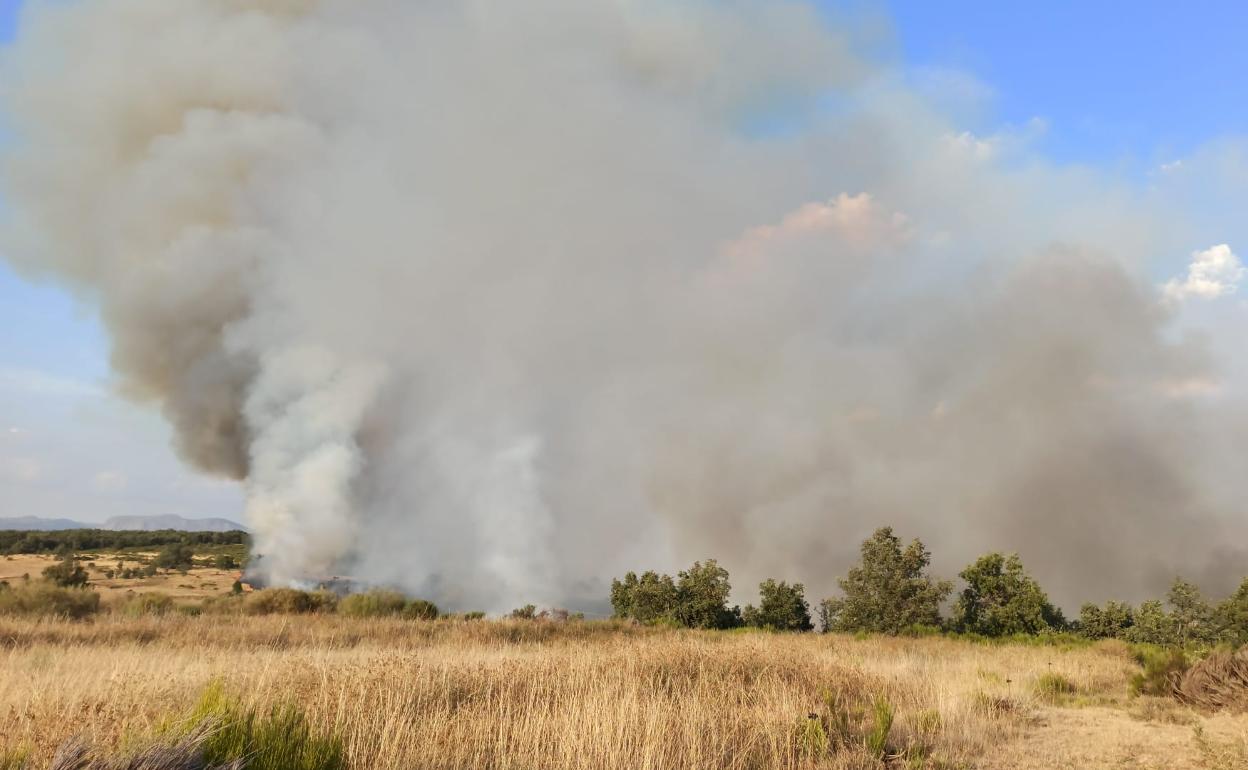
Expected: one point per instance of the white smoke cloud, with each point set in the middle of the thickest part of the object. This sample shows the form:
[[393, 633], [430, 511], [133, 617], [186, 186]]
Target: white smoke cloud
[[494, 301]]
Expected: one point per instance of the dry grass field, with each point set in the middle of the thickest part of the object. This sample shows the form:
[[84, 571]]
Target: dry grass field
[[523, 694], [197, 584]]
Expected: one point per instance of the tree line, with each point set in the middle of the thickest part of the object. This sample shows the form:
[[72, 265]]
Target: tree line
[[891, 591], [15, 542]]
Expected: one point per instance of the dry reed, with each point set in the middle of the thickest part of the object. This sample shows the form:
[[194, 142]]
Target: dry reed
[[447, 694]]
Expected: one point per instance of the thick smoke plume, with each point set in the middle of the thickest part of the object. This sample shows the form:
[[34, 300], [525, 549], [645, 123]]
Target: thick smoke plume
[[495, 300]]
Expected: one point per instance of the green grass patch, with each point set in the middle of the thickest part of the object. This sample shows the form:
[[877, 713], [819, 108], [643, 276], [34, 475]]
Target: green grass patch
[[1160, 667], [280, 738]]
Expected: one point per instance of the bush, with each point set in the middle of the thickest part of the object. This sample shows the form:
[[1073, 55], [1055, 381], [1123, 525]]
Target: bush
[[385, 603], [66, 573], [1053, 686], [177, 556], [48, 599], [646, 599], [527, 612], [139, 605], [1161, 668], [225, 562], [781, 607], [277, 739], [288, 601]]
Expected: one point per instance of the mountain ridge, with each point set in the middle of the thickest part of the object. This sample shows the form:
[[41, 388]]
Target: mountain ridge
[[128, 523]]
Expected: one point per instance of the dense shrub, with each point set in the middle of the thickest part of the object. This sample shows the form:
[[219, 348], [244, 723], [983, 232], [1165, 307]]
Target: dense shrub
[[646, 599], [1161, 667], [781, 607], [66, 573], [382, 603], [225, 562], [48, 599], [1231, 616], [1152, 625], [288, 601], [1001, 599], [527, 612], [178, 556], [1109, 622]]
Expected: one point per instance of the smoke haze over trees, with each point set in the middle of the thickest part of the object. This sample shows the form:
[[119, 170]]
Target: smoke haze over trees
[[493, 301]]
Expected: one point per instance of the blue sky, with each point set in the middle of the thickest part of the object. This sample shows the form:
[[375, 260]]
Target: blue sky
[[1126, 91]]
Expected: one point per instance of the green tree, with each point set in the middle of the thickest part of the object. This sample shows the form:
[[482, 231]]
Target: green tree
[[1191, 614], [175, 556], [66, 573], [224, 561], [1231, 616], [780, 606], [647, 599], [890, 590], [1110, 622], [527, 612], [1000, 598], [828, 610], [702, 597], [1152, 625]]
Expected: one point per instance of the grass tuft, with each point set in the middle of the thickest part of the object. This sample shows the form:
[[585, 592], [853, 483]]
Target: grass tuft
[[279, 738]]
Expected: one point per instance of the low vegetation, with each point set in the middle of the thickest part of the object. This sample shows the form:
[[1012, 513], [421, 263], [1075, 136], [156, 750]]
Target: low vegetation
[[45, 598], [393, 694]]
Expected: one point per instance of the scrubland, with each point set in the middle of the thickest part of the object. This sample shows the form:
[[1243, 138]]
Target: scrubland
[[452, 693]]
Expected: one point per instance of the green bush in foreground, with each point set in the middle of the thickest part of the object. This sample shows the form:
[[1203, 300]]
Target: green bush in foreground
[[47, 599], [384, 603], [278, 739], [1161, 666]]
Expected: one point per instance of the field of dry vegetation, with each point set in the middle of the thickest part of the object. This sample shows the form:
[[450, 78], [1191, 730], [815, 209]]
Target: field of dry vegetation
[[525, 694]]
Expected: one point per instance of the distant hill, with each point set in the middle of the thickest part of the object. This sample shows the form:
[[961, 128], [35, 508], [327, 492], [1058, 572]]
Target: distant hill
[[41, 525], [117, 523], [150, 523]]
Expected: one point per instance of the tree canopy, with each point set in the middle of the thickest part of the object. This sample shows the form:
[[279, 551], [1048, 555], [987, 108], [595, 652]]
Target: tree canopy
[[890, 590], [1000, 599], [781, 606]]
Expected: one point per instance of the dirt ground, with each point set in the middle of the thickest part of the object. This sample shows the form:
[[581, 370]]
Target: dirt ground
[[199, 583], [1150, 735]]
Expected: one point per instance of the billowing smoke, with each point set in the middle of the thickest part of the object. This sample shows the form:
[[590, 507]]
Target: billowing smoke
[[495, 300]]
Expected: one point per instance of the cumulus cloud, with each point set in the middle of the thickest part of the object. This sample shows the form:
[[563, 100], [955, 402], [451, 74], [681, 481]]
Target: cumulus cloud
[[1213, 273]]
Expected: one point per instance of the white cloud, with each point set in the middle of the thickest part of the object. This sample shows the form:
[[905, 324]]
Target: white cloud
[[1214, 272]]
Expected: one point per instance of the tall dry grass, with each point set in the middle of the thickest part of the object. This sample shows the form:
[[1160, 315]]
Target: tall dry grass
[[445, 694]]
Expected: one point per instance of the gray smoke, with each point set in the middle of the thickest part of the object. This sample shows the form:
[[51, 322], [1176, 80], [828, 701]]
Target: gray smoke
[[496, 300]]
